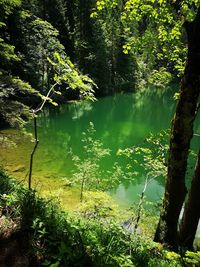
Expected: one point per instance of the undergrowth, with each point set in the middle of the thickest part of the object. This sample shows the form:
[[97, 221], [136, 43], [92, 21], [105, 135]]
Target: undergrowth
[[60, 239]]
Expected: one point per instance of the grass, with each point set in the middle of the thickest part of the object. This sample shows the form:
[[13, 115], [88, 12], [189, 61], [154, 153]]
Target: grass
[[58, 238]]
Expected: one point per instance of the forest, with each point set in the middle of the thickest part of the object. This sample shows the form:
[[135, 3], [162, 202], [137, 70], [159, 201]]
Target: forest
[[99, 133]]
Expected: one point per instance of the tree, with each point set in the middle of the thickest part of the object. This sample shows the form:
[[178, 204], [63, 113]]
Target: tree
[[168, 19], [64, 73], [7, 53], [59, 13], [153, 33], [110, 38], [191, 214], [88, 172], [36, 40], [28, 45], [12, 89], [181, 134]]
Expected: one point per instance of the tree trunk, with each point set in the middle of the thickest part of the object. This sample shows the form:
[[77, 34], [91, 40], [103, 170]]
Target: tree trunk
[[181, 134], [191, 213]]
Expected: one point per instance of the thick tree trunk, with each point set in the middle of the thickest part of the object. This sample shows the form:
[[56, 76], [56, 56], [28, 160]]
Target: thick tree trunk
[[181, 134], [191, 213]]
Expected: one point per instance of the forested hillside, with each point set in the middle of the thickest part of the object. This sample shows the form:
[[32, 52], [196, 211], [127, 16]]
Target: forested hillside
[[119, 46]]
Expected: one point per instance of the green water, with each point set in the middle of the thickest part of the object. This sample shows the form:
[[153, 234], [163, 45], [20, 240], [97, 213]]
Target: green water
[[120, 121]]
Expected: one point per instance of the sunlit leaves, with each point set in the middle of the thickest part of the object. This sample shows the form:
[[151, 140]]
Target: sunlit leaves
[[100, 5], [158, 17], [98, 205], [126, 48], [7, 6], [151, 155], [154, 27], [66, 73], [7, 53], [88, 170], [188, 9], [14, 112], [153, 31], [160, 77]]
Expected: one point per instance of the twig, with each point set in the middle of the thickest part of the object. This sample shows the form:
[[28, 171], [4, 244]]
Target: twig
[[35, 111], [33, 152], [82, 186], [45, 100], [140, 203]]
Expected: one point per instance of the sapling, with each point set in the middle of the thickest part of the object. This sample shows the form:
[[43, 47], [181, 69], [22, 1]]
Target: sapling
[[89, 172], [65, 73]]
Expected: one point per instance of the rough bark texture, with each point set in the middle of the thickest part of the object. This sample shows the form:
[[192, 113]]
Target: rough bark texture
[[191, 213], [181, 134]]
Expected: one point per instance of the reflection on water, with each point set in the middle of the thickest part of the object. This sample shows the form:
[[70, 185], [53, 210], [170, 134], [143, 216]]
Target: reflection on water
[[120, 121]]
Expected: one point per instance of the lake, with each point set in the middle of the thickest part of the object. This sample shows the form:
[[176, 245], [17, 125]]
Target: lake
[[121, 121]]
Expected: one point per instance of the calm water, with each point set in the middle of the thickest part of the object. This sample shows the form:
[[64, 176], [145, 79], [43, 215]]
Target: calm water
[[120, 121]]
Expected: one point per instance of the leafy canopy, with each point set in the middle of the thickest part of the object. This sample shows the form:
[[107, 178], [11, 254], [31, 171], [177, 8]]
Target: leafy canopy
[[153, 32]]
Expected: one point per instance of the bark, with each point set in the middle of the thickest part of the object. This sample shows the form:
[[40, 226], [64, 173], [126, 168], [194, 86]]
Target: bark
[[191, 213], [32, 153], [181, 134]]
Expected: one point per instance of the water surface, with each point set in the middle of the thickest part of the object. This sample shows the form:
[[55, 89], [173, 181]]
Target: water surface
[[121, 121]]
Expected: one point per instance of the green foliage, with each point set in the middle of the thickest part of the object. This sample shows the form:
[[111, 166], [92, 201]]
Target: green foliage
[[39, 40], [159, 38], [7, 6], [152, 35], [151, 155], [61, 239], [65, 73], [12, 110], [7, 53], [192, 258], [12, 89], [160, 77], [89, 173], [98, 205], [43, 62], [118, 68]]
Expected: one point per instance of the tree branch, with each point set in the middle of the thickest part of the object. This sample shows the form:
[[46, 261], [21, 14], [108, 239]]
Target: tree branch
[[33, 151], [38, 109]]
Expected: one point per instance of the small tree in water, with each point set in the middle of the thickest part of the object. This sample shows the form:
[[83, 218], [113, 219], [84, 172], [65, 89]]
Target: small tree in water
[[89, 173]]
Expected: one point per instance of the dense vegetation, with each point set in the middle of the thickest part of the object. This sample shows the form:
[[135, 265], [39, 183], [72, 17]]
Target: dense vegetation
[[98, 48], [45, 234], [101, 38]]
